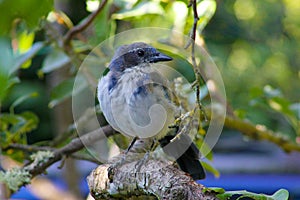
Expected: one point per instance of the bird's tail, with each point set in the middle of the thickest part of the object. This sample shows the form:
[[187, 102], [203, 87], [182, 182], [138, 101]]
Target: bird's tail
[[186, 153]]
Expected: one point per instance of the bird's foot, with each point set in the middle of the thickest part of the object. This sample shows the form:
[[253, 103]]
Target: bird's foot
[[112, 168], [142, 162]]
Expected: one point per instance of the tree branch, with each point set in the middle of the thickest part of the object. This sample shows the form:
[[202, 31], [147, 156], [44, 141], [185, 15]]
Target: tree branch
[[156, 179], [260, 132], [74, 146], [82, 26], [28, 148]]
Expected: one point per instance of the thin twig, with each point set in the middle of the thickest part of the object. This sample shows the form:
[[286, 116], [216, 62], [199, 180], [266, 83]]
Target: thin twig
[[28, 148], [196, 18], [80, 27], [192, 42], [74, 146]]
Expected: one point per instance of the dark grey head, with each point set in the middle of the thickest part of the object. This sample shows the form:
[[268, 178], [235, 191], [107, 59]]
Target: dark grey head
[[134, 54]]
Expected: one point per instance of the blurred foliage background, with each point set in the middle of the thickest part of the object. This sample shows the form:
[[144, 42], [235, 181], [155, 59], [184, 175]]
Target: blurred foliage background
[[256, 45]]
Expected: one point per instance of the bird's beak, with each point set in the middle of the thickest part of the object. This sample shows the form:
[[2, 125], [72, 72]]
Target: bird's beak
[[160, 57]]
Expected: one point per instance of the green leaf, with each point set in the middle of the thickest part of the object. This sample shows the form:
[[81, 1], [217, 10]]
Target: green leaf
[[31, 122], [211, 169], [205, 149], [65, 90], [280, 104], [13, 80], [216, 190], [125, 3], [179, 19], [55, 60], [143, 8], [25, 41], [14, 126], [22, 99], [206, 10], [61, 92], [281, 194], [103, 20], [295, 108], [203, 92], [23, 58], [240, 113], [28, 11], [80, 46], [5, 65]]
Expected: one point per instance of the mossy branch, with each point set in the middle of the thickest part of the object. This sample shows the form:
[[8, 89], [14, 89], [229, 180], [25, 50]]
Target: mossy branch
[[260, 132], [43, 159]]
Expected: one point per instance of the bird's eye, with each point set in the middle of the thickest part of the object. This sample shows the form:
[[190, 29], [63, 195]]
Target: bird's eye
[[140, 53]]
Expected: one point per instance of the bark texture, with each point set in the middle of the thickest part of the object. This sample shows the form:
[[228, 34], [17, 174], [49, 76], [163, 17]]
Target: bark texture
[[155, 179]]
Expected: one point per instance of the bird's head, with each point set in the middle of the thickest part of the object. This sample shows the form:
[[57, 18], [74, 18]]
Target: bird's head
[[128, 56]]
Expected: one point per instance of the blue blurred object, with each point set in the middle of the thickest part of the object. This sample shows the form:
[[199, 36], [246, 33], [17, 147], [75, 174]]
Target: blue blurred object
[[24, 193]]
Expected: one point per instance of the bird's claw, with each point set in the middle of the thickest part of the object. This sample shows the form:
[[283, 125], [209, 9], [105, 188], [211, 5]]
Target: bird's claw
[[112, 168], [141, 162], [110, 173]]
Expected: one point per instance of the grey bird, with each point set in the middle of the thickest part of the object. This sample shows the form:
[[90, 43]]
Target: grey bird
[[136, 101]]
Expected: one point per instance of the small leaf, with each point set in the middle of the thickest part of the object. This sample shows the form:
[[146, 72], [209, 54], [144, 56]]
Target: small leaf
[[206, 10], [21, 59], [216, 190], [14, 126], [211, 169], [22, 99], [179, 19], [103, 20], [55, 60], [31, 122], [204, 148], [295, 108], [61, 92], [240, 113], [25, 41], [203, 92], [13, 80], [281, 194], [65, 90], [284, 105], [270, 92], [143, 8], [80, 46]]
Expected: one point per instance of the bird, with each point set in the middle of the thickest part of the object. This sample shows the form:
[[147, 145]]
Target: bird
[[138, 102]]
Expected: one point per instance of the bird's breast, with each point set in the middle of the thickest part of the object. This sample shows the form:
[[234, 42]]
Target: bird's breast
[[136, 105]]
